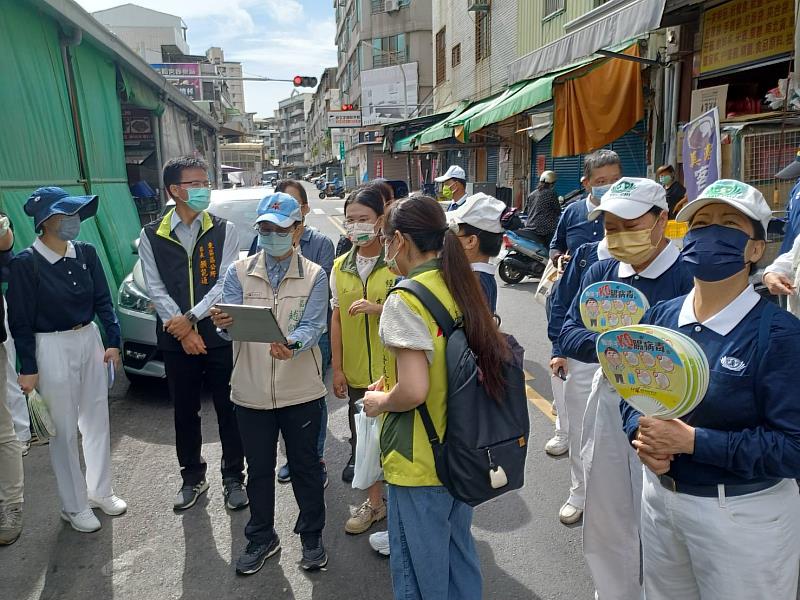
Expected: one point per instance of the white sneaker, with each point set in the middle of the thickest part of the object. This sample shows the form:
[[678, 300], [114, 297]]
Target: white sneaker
[[111, 505], [569, 514], [84, 521], [380, 542], [558, 445]]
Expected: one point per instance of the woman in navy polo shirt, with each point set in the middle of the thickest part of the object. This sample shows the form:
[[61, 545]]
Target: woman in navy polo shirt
[[720, 506], [55, 289]]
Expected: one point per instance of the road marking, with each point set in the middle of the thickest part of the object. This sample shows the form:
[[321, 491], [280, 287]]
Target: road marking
[[319, 211], [337, 225], [536, 398], [339, 209]]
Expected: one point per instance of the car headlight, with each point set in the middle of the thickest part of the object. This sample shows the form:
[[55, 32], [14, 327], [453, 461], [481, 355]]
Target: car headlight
[[132, 298]]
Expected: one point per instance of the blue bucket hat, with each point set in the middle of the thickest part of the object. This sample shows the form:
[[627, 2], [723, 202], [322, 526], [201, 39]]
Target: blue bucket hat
[[48, 201], [280, 209]]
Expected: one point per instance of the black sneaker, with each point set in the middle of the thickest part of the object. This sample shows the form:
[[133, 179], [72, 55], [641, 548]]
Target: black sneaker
[[188, 495], [235, 494], [325, 480], [349, 471], [255, 555], [314, 555]]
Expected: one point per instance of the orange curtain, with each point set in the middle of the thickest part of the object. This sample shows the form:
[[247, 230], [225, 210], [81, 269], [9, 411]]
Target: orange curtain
[[597, 104]]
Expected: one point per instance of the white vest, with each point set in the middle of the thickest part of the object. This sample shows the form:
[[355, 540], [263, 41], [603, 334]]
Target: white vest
[[260, 381]]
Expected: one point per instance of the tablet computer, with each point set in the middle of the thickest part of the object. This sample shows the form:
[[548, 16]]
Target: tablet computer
[[253, 324]]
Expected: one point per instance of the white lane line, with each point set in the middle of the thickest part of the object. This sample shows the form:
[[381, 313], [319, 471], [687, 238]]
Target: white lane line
[[339, 209], [318, 211]]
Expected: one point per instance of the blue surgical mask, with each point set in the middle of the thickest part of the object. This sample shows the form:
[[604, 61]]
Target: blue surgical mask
[[199, 199], [599, 190], [69, 228], [714, 253], [275, 244]]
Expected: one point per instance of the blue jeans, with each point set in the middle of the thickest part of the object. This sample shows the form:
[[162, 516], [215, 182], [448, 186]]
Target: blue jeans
[[430, 537]]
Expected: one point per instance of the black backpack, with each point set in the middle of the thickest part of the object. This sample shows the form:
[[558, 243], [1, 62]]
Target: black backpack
[[485, 444]]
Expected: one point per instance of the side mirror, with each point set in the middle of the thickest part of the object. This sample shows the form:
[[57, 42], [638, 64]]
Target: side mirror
[[135, 246]]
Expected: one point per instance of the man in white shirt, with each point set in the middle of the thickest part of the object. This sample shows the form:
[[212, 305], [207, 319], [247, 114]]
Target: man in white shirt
[[454, 186]]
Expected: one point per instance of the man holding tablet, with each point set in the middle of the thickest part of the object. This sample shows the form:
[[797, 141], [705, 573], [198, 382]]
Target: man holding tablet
[[277, 387]]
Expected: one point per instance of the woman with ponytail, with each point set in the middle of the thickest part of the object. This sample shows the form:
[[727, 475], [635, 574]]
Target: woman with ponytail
[[429, 530]]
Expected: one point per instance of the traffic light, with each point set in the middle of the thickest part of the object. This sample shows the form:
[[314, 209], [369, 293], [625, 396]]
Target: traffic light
[[300, 81], [348, 107]]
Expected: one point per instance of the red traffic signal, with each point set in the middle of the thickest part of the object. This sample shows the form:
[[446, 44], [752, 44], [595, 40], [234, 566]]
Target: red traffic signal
[[300, 81], [348, 107]]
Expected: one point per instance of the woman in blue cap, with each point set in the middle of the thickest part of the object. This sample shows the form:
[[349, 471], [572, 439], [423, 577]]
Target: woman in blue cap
[[56, 288], [720, 509]]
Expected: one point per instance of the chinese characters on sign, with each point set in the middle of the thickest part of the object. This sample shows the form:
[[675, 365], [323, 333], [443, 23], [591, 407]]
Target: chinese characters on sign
[[190, 87], [341, 118], [744, 31], [701, 153]]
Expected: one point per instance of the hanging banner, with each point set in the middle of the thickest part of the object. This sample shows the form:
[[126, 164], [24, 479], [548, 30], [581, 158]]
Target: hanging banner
[[702, 158], [192, 86], [745, 31], [379, 167]]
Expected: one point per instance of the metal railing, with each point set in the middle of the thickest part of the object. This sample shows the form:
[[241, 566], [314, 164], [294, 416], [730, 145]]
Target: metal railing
[[389, 58]]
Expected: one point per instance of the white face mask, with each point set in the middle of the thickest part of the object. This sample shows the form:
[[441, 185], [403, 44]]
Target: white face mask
[[360, 233]]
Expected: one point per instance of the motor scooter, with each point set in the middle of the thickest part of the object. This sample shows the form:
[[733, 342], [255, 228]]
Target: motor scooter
[[525, 257], [330, 190]]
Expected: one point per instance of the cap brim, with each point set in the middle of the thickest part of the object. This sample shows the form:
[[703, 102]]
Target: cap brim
[[442, 179], [791, 171], [624, 209], [687, 212], [84, 206], [276, 220]]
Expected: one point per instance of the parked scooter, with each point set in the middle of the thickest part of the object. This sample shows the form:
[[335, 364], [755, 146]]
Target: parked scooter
[[525, 258], [329, 190]]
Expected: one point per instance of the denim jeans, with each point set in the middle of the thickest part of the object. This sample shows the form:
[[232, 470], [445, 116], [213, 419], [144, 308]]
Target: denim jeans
[[430, 537]]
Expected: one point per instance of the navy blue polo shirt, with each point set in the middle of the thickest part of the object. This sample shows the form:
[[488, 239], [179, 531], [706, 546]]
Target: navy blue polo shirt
[[574, 228], [569, 286], [663, 279], [485, 272], [747, 428], [56, 294]]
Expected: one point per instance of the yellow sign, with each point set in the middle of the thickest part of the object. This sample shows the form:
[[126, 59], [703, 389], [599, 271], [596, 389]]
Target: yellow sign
[[744, 31]]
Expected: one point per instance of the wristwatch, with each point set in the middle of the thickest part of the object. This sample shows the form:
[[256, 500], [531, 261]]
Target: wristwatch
[[191, 317]]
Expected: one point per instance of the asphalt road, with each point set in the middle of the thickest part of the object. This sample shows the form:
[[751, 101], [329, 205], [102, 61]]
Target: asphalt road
[[152, 553]]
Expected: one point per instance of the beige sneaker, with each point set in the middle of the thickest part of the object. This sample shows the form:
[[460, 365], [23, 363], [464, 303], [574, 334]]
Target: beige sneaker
[[364, 518], [10, 523]]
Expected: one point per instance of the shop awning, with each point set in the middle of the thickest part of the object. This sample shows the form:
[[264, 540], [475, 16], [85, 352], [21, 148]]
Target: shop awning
[[441, 131], [137, 157], [605, 26], [405, 144]]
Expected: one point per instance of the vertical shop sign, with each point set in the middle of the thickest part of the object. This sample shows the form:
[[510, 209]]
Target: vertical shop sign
[[701, 153]]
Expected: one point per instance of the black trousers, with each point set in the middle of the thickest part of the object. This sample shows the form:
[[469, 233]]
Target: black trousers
[[186, 376], [354, 395], [299, 425]]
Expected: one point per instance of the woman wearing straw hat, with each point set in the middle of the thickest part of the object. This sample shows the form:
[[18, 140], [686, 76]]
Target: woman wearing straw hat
[[720, 508], [56, 289]]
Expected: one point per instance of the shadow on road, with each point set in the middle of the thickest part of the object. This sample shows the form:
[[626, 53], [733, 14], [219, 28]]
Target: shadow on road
[[497, 583]]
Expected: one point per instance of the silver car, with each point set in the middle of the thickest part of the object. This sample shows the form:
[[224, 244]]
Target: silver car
[[137, 315]]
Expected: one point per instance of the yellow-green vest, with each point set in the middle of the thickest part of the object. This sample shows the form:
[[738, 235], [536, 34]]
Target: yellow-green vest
[[362, 360], [405, 449]]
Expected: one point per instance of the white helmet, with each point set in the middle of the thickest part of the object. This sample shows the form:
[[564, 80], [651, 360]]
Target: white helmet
[[548, 177]]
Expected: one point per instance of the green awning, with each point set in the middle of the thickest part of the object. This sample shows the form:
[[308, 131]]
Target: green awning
[[138, 93], [440, 131], [405, 144], [529, 94]]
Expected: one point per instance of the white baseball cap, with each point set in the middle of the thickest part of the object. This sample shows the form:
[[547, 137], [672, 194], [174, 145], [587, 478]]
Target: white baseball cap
[[740, 196], [454, 172], [479, 210], [630, 198]]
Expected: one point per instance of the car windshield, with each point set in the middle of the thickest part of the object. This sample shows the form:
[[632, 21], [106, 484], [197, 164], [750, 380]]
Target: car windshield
[[240, 212]]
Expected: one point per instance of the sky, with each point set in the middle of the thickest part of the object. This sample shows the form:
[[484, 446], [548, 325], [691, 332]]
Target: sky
[[271, 38]]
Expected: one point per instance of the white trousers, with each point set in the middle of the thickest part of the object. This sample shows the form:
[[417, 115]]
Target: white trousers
[[73, 383], [562, 421], [613, 479], [576, 393], [736, 548], [15, 399]]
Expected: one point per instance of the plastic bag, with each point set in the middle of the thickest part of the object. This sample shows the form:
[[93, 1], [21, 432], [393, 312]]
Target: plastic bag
[[41, 422], [368, 451], [548, 280]]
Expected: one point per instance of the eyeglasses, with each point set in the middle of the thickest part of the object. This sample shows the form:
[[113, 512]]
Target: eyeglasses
[[265, 229], [196, 183]]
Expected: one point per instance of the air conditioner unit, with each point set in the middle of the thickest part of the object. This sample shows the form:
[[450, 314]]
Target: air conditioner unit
[[392, 5]]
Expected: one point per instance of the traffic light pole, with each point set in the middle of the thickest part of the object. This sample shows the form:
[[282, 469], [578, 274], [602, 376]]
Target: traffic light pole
[[221, 78]]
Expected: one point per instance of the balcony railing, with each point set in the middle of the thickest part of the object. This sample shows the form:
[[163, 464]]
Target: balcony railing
[[389, 58]]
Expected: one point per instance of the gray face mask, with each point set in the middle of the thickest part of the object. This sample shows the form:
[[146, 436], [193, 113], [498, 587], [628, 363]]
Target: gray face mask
[[69, 228]]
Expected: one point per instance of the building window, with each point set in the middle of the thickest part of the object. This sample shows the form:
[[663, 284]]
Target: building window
[[552, 7], [483, 34], [441, 67], [455, 55], [389, 51]]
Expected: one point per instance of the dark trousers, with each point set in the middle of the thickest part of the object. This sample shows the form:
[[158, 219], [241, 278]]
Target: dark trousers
[[299, 425], [354, 395], [186, 376]]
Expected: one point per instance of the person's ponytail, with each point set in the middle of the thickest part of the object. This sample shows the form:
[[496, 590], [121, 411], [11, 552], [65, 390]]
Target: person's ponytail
[[484, 337]]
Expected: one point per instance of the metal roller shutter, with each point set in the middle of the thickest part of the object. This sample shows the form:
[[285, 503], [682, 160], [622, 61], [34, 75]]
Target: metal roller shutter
[[491, 164]]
